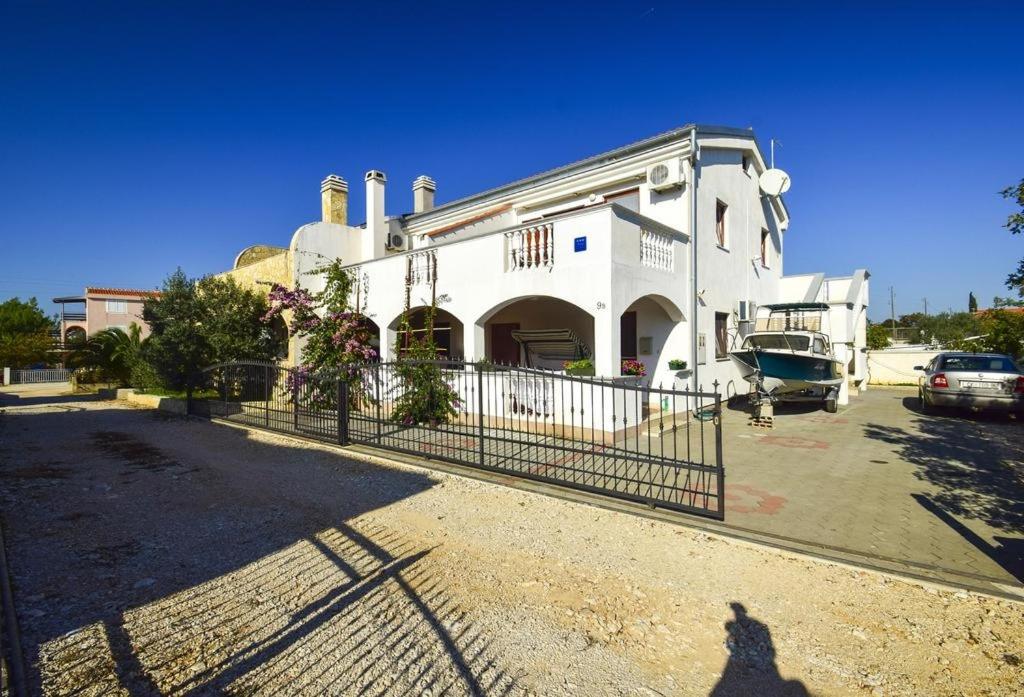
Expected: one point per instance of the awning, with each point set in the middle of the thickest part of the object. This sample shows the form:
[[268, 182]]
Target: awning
[[549, 348]]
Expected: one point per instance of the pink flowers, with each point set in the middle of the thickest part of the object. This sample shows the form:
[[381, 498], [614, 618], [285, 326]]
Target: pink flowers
[[633, 367]]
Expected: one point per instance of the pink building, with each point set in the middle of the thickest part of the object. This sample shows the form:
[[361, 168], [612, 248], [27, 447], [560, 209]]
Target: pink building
[[102, 308]]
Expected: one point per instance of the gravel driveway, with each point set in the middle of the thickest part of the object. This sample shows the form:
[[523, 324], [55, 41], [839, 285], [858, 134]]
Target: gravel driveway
[[157, 555]]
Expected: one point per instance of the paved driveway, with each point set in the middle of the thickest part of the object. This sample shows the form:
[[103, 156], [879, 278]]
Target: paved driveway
[[881, 483]]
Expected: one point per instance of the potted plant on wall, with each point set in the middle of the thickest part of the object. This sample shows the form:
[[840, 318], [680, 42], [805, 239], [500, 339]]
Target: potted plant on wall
[[584, 367], [677, 364], [632, 370]]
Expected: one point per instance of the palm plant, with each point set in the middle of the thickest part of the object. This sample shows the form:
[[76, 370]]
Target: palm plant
[[112, 350]]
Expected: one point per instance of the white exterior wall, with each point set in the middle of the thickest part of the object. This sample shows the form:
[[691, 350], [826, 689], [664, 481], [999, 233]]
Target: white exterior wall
[[475, 282], [896, 366], [729, 275]]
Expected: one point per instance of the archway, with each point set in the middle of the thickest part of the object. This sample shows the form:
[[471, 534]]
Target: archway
[[534, 313], [651, 332], [448, 332], [74, 335]]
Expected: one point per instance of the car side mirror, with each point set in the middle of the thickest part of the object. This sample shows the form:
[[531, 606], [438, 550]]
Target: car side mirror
[[918, 367]]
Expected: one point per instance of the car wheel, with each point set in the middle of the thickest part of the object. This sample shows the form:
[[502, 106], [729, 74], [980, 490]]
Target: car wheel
[[926, 408]]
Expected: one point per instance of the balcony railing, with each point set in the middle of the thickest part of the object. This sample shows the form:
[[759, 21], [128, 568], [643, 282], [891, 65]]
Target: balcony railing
[[530, 247], [656, 250]]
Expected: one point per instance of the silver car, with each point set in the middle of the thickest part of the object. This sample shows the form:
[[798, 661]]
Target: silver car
[[972, 380]]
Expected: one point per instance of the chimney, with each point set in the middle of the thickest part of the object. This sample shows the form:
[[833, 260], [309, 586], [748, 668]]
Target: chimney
[[423, 194], [334, 200], [376, 232]]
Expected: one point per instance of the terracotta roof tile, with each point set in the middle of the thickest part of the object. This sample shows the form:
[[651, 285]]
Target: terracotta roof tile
[[128, 292]]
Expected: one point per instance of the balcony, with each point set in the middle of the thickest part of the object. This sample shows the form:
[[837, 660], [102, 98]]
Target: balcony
[[580, 271]]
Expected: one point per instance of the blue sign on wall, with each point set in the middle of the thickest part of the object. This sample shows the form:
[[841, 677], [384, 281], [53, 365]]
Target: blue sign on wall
[[579, 244]]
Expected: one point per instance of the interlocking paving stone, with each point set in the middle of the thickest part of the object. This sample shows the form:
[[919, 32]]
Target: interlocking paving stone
[[936, 491]]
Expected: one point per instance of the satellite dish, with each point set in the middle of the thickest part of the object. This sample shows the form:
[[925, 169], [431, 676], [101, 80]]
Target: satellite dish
[[774, 182]]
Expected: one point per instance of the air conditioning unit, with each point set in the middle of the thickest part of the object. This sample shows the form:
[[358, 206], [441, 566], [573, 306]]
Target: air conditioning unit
[[746, 310], [665, 175], [396, 240]]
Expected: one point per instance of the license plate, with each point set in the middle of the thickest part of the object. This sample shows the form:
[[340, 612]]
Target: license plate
[[977, 384]]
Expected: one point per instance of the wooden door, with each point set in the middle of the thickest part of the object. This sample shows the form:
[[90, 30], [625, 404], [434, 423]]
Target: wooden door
[[504, 349]]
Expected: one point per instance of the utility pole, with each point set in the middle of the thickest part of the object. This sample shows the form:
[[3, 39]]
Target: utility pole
[[925, 307], [892, 312]]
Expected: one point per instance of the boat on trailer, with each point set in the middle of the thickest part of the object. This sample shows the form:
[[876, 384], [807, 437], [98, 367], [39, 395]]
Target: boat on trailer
[[788, 357]]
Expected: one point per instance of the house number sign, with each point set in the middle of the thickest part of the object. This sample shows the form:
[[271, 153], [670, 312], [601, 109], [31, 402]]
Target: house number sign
[[579, 244]]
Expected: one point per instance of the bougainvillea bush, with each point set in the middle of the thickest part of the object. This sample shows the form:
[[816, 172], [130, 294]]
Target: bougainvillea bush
[[337, 339]]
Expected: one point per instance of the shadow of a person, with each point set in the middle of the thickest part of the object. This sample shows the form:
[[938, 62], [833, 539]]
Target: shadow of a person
[[751, 668]]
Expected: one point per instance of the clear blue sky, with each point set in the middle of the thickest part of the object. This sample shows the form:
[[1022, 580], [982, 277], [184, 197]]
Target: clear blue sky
[[136, 137]]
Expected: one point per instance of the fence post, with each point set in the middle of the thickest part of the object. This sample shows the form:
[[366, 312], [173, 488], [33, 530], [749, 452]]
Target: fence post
[[376, 389], [342, 411], [7, 376], [266, 397], [295, 403], [480, 409], [718, 456]]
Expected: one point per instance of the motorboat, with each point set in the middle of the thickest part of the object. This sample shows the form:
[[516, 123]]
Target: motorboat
[[789, 356]]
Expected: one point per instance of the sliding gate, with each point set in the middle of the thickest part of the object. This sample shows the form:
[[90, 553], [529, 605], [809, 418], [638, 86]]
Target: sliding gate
[[657, 446]]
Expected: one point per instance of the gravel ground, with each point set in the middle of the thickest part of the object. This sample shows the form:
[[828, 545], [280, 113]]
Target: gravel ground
[[155, 555]]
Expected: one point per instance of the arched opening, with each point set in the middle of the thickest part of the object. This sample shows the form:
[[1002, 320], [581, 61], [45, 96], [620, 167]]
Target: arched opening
[[279, 335], [537, 331], [651, 333], [448, 332], [374, 330], [74, 336]]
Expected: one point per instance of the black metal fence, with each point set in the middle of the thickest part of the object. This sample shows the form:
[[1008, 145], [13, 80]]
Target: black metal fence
[[662, 447]]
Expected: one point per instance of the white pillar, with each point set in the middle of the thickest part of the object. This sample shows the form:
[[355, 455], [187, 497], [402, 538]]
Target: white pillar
[[7, 376], [607, 343], [843, 354], [474, 342]]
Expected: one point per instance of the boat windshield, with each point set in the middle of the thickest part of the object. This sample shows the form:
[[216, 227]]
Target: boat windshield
[[794, 342]]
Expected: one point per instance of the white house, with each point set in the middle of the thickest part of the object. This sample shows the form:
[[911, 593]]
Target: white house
[[657, 250]]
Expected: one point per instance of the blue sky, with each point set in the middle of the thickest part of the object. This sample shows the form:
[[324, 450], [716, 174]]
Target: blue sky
[[137, 137]]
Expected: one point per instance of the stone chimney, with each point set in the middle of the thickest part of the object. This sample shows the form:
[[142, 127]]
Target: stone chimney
[[376, 233], [334, 200], [423, 194]]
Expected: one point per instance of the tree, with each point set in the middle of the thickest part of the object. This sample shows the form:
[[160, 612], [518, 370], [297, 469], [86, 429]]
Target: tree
[[949, 328], [878, 337], [998, 302], [1003, 332], [24, 333], [233, 321], [196, 323], [177, 348], [1015, 224], [972, 302]]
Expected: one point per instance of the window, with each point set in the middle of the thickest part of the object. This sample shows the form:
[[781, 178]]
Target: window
[[819, 345], [788, 342], [746, 165], [720, 209], [721, 335], [979, 364], [117, 307], [765, 238]]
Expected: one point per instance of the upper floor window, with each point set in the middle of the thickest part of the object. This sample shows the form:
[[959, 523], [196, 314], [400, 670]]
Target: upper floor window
[[765, 243], [117, 307], [720, 211], [746, 164]]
